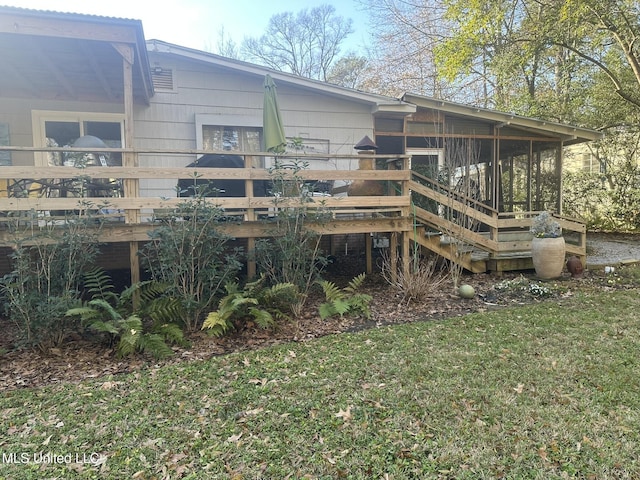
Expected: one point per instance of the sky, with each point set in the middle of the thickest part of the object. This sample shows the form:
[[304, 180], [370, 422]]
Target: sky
[[197, 23]]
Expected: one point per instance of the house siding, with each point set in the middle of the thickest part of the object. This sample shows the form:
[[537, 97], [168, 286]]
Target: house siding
[[237, 99]]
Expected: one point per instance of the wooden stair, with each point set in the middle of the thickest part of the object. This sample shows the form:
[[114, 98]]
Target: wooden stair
[[501, 242], [441, 245], [471, 258]]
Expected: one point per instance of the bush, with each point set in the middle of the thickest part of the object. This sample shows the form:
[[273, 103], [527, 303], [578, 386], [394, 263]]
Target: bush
[[188, 252], [292, 254], [46, 278], [264, 305], [423, 278], [345, 301], [124, 317]]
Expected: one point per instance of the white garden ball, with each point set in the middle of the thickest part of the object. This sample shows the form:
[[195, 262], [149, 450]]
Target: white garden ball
[[466, 291]]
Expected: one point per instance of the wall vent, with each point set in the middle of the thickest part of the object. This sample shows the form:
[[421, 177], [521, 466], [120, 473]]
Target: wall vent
[[162, 78]]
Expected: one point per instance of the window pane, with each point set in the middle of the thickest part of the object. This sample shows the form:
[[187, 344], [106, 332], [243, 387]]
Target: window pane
[[63, 133], [236, 139], [108, 132], [230, 139], [211, 137]]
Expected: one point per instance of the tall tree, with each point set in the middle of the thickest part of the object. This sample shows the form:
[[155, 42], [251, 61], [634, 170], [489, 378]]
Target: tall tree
[[305, 44], [401, 58], [349, 71], [226, 46], [555, 46]]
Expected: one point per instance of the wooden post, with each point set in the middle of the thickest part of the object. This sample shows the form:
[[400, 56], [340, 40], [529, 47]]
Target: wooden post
[[406, 254], [393, 256], [251, 217], [406, 247], [131, 186], [368, 252]]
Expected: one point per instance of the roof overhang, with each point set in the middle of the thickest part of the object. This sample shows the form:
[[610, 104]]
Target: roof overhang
[[569, 134], [68, 56]]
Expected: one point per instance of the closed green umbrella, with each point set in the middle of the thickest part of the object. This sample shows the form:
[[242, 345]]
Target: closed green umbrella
[[272, 129]]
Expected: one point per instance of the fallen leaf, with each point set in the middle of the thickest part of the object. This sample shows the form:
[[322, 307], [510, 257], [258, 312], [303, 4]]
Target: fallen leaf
[[519, 388], [542, 452], [262, 381], [176, 457], [344, 414], [234, 438]]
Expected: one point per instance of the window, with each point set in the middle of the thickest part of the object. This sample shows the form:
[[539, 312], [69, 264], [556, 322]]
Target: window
[[235, 139], [64, 128]]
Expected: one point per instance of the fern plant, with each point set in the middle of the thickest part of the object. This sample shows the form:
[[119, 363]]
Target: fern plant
[[264, 305], [345, 301], [115, 315]]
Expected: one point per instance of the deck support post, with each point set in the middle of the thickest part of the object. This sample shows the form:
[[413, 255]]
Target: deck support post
[[131, 185], [250, 217], [406, 253], [368, 239], [393, 256]]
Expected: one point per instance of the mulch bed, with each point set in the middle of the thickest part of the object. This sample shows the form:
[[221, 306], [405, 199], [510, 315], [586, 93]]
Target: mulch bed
[[79, 359]]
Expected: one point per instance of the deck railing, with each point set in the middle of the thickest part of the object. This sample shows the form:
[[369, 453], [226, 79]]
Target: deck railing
[[481, 226], [114, 191], [42, 189]]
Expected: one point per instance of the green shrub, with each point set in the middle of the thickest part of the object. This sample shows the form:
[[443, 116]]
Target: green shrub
[[264, 305], [124, 317], [345, 301], [292, 254], [189, 253], [48, 264]]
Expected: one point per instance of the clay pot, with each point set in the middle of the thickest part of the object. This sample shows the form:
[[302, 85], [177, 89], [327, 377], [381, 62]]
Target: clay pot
[[575, 267], [548, 257]]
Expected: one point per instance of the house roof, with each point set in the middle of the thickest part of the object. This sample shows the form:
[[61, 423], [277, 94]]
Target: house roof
[[379, 103], [69, 56], [570, 134]]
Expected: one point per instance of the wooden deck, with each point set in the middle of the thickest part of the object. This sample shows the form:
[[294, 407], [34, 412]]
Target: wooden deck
[[479, 237], [485, 239]]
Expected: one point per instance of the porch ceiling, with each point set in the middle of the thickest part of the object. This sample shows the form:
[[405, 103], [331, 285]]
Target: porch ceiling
[[69, 57]]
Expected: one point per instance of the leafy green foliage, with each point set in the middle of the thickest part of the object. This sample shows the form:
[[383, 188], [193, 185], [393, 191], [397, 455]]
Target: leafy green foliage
[[261, 303], [345, 301], [584, 196], [46, 276], [292, 254], [188, 253], [124, 317]]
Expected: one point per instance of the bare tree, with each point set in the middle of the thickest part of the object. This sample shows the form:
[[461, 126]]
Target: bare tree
[[226, 46], [305, 44], [406, 34]]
